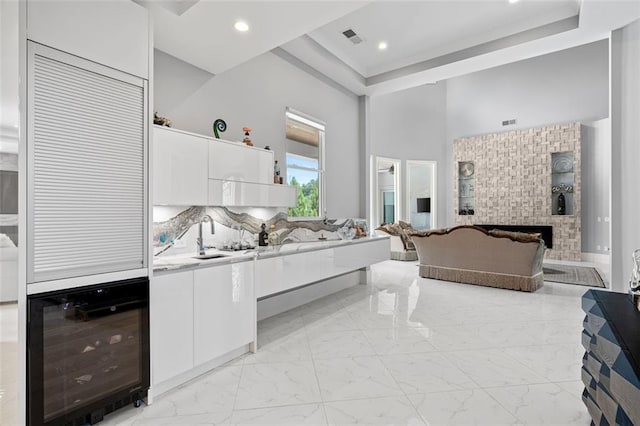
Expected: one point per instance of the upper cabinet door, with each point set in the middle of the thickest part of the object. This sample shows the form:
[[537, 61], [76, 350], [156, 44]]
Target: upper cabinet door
[[110, 32], [236, 162], [87, 167], [180, 168]]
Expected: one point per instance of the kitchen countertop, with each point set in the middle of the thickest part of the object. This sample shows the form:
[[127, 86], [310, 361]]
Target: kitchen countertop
[[182, 262]]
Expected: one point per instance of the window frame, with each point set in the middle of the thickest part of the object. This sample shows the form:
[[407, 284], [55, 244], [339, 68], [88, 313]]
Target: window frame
[[295, 115]]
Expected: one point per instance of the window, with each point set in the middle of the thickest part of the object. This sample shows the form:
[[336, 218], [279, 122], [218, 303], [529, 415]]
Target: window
[[305, 163]]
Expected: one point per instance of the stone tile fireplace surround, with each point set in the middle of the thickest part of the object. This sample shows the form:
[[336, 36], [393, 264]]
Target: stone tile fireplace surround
[[513, 181]]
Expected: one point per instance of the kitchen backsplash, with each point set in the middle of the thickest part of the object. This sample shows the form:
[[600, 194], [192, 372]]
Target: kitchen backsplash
[[175, 229]]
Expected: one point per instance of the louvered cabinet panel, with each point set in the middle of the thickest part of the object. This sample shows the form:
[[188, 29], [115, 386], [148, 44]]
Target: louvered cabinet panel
[[87, 166]]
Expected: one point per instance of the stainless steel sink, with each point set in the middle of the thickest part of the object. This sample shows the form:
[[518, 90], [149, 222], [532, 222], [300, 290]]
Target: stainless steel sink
[[210, 256]]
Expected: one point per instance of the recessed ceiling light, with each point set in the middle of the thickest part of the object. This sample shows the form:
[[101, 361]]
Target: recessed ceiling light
[[513, 1], [241, 26], [382, 45]]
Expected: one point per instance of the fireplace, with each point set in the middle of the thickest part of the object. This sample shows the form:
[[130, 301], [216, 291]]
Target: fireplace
[[88, 352], [545, 231]]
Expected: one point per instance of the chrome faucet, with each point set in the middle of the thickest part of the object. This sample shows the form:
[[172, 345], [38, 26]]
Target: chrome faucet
[[199, 240]]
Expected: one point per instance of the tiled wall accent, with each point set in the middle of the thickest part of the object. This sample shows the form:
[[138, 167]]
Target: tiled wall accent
[[165, 233], [513, 181]]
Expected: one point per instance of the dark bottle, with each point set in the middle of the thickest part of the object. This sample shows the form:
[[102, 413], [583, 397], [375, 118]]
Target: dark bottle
[[562, 204], [263, 236]]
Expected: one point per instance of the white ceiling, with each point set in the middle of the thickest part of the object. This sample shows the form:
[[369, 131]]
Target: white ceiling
[[454, 40], [429, 40], [204, 36], [416, 31]]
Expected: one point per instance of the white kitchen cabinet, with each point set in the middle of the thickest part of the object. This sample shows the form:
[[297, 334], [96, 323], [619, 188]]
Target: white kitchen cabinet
[[233, 193], [238, 162], [281, 273], [224, 310], [85, 194], [180, 168], [113, 33], [171, 324]]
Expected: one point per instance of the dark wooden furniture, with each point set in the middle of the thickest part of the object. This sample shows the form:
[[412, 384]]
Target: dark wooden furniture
[[611, 363]]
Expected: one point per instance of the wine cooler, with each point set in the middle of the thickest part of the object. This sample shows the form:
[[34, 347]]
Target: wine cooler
[[88, 352]]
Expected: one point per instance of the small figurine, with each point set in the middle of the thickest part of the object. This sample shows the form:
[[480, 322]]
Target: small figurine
[[247, 139], [161, 121], [219, 125], [276, 172]]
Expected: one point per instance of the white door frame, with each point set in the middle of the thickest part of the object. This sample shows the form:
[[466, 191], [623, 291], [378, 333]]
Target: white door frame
[[433, 190], [376, 213]]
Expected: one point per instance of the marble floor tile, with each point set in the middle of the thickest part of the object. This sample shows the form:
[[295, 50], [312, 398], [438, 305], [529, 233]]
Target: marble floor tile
[[206, 419], [507, 333], [212, 393], [268, 385], [426, 372], [378, 411], [552, 332], [383, 319], [8, 382], [339, 344], [465, 407], [492, 367], [452, 338], [370, 304], [575, 388], [354, 378], [400, 340], [280, 325], [292, 347], [541, 404], [306, 414], [556, 362], [326, 305], [339, 321], [436, 353]]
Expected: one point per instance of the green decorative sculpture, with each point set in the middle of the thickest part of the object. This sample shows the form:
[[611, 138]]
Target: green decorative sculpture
[[219, 125]]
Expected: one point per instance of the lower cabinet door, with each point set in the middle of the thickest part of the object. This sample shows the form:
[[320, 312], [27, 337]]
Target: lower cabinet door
[[224, 310], [171, 325]]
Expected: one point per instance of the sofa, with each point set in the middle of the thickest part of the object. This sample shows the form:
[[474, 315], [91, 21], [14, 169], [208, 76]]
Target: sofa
[[472, 255], [402, 247]]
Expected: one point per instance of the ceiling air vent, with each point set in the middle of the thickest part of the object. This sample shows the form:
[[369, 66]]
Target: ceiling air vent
[[352, 36], [509, 122]]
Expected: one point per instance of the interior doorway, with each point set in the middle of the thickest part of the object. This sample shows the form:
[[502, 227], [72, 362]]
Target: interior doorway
[[421, 199], [386, 191]]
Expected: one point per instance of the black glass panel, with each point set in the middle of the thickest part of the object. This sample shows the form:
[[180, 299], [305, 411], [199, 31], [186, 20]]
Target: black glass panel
[[86, 347]]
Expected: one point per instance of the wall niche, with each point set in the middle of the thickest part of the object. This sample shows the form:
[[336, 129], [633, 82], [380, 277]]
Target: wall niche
[[466, 188], [514, 181], [562, 178]]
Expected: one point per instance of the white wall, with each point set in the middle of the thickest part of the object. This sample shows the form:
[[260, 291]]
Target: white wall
[[255, 94], [625, 151], [410, 125], [596, 181], [571, 85], [9, 113]]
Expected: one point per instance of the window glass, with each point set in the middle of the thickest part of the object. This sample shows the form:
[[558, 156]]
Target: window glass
[[304, 164]]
